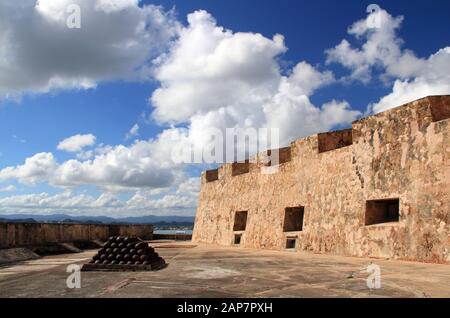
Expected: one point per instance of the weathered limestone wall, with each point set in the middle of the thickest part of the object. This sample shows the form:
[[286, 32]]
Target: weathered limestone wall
[[28, 234], [402, 153]]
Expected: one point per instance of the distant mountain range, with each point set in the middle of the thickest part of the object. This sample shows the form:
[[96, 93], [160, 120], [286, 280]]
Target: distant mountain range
[[149, 219]]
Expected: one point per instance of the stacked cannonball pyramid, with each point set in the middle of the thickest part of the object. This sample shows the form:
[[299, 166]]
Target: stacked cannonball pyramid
[[125, 253]]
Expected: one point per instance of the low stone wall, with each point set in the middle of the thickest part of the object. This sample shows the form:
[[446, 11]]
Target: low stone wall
[[32, 234]]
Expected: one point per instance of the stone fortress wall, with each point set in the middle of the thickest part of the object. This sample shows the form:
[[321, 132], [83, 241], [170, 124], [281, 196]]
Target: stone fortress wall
[[380, 189], [24, 234]]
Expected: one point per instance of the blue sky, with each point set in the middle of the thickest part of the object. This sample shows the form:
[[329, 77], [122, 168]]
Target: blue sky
[[128, 179]]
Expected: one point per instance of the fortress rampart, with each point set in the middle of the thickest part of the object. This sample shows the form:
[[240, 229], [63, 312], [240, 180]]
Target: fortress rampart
[[380, 189], [21, 234]]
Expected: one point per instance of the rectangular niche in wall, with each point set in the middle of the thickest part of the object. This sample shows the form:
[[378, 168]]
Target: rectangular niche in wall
[[237, 239], [334, 140], [382, 211], [212, 175], [291, 243], [440, 107], [240, 221], [279, 156], [293, 219], [238, 168]]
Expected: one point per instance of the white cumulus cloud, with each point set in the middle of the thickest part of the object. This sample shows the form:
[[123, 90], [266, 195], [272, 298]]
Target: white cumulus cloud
[[432, 79], [133, 132], [76, 143], [178, 201], [8, 188], [35, 169], [207, 76], [144, 164], [412, 77], [39, 53], [214, 77]]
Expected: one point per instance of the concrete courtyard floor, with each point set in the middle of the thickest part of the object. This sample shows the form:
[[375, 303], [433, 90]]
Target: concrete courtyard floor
[[212, 271]]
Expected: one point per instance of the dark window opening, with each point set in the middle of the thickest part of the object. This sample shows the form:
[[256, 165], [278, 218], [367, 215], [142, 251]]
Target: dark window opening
[[293, 219], [382, 211], [240, 221], [212, 175], [291, 243], [238, 168], [237, 239]]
